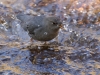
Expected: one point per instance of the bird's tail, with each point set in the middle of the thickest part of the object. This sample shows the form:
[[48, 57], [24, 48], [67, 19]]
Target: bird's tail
[[24, 17], [21, 16]]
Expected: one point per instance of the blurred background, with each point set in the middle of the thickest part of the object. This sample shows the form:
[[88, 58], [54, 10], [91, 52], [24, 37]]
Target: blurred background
[[76, 52]]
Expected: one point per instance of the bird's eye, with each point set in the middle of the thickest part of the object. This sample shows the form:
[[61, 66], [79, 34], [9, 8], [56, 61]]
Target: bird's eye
[[54, 23]]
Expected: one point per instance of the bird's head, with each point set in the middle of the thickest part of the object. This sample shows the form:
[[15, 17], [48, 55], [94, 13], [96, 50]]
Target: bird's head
[[53, 23]]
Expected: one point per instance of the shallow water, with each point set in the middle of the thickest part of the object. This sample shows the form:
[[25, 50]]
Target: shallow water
[[75, 52]]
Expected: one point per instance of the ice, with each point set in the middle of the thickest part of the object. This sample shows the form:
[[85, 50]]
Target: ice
[[64, 7], [20, 32]]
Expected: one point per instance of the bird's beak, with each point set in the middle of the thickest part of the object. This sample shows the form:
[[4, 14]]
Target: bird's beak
[[61, 26]]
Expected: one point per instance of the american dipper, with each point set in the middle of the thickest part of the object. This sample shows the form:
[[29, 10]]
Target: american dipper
[[40, 28]]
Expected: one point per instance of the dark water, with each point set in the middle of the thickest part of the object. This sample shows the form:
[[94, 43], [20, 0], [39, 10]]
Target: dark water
[[75, 52]]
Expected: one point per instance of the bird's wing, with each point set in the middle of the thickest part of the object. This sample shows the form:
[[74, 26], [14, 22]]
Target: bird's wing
[[35, 23], [24, 20], [30, 23]]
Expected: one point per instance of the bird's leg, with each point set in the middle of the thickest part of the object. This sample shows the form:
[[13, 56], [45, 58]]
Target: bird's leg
[[45, 43], [31, 41]]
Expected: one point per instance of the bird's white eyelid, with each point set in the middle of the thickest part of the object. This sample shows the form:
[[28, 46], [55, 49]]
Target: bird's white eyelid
[[52, 22], [38, 25]]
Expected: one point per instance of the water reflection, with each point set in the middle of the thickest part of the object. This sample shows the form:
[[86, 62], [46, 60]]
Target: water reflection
[[48, 59]]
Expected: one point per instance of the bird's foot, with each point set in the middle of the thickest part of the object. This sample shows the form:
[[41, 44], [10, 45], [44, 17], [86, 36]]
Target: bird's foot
[[31, 41]]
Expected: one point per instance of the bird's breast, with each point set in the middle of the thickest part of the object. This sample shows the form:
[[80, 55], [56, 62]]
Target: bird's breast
[[44, 35]]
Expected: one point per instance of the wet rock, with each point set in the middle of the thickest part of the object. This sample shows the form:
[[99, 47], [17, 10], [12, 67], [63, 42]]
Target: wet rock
[[76, 52]]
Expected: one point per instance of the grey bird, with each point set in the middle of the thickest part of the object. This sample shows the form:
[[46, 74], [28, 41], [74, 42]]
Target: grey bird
[[40, 28]]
